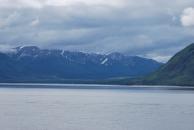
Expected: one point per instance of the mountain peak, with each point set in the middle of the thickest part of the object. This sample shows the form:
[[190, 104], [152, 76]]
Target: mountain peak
[[28, 48], [116, 56]]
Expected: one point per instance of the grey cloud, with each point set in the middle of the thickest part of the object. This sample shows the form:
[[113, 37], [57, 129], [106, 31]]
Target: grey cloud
[[187, 17], [148, 28]]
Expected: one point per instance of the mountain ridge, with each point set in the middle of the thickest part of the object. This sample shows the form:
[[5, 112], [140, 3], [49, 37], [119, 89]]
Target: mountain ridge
[[31, 63]]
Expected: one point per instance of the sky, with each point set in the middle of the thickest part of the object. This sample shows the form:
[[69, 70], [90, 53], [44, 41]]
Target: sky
[[154, 29]]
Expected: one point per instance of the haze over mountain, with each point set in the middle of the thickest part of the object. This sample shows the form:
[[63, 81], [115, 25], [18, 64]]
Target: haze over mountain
[[30, 63]]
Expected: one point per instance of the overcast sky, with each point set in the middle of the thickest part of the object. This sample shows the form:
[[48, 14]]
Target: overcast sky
[[151, 28]]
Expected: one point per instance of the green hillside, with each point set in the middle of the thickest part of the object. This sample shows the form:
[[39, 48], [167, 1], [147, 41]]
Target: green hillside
[[178, 71]]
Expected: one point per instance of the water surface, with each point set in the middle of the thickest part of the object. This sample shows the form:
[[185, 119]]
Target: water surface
[[95, 109]]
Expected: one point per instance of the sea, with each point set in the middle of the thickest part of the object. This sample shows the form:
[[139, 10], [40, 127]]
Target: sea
[[95, 107]]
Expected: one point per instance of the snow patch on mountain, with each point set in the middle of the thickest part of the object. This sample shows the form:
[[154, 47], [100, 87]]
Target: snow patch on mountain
[[62, 52], [104, 61]]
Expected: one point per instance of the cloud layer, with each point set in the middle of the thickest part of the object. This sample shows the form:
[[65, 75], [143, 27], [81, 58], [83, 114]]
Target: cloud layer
[[150, 28]]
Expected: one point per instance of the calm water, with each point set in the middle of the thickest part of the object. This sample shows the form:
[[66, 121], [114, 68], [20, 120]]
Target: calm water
[[95, 109]]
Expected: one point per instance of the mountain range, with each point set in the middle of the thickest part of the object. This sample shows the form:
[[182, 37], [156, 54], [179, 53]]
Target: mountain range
[[32, 64]]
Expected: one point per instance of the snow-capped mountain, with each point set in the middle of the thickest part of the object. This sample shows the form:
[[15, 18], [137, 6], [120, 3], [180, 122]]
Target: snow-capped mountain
[[31, 62]]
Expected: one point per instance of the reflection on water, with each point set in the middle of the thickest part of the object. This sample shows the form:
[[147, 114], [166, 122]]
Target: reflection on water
[[95, 109]]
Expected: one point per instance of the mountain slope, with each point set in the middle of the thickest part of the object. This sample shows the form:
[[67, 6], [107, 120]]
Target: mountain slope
[[178, 71], [33, 64]]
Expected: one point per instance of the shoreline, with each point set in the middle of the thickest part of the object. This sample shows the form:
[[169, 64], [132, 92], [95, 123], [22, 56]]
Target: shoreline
[[93, 86]]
